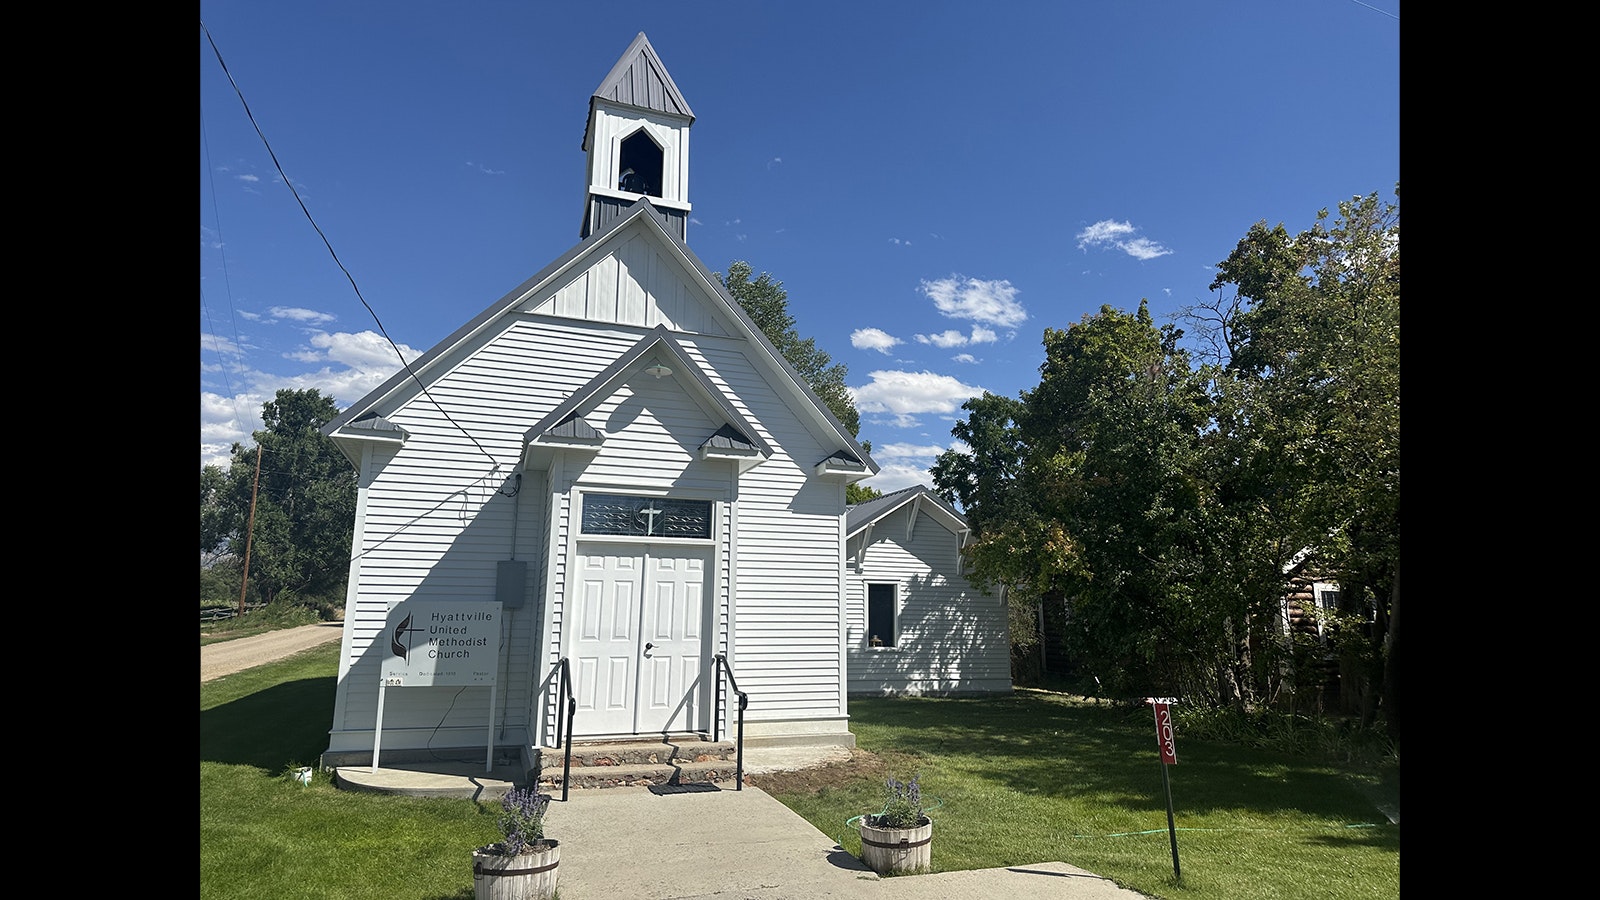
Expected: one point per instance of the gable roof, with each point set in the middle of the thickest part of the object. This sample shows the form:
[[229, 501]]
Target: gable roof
[[850, 458], [920, 498], [565, 426]]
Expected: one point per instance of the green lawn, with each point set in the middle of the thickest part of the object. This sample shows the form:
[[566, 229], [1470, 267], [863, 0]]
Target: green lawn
[[1039, 776], [1024, 779], [262, 834]]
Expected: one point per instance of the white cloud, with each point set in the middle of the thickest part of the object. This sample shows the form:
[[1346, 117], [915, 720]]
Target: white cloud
[[211, 343], [895, 476], [1104, 232], [250, 178], [1109, 234], [901, 451], [952, 338], [353, 364], [225, 421], [903, 465], [899, 243], [363, 350], [485, 169], [964, 358], [902, 395], [302, 316], [1144, 248], [873, 339], [989, 302]]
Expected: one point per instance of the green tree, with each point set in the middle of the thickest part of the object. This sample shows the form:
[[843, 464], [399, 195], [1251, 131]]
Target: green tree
[[1311, 341], [1159, 497], [304, 505], [1016, 545], [1082, 492], [1114, 433], [214, 518], [766, 302]]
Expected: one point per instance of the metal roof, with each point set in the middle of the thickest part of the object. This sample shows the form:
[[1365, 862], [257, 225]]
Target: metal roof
[[639, 80], [861, 515]]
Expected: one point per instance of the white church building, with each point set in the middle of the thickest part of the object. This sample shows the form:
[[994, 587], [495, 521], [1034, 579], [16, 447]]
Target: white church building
[[609, 473]]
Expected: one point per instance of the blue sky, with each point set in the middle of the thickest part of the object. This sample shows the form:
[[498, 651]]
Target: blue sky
[[935, 183]]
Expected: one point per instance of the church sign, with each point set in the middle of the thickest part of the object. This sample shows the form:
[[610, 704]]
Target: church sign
[[444, 643]]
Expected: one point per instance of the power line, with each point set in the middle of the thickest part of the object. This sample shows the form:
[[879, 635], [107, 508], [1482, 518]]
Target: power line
[[325, 242], [227, 286], [1376, 10]]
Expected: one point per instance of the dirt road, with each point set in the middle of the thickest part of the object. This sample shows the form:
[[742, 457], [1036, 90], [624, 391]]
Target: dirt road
[[227, 657]]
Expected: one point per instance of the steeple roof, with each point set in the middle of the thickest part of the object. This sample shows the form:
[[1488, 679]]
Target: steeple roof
[[641, 81]]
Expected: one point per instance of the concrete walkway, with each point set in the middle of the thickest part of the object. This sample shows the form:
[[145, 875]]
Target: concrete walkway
[[727, 844]]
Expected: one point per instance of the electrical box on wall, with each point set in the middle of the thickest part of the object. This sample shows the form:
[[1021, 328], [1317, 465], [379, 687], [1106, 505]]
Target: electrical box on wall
[[510, 583]]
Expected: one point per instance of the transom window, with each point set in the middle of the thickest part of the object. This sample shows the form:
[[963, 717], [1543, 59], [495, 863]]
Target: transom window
[[621, 514]]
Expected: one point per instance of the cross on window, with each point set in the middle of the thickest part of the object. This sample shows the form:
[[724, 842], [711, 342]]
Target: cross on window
[[652, 512]]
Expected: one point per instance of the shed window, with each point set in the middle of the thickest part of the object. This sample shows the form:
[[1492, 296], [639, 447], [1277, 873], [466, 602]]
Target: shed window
[[881, 625]]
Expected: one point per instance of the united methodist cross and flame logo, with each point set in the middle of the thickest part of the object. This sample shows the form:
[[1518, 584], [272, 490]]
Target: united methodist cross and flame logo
[[399, 643]]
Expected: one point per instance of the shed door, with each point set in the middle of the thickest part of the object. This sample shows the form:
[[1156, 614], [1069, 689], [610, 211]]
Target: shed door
[[639, 635]]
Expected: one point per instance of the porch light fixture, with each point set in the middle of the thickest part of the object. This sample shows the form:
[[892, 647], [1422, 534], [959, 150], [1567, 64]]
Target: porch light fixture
[[656, 369]]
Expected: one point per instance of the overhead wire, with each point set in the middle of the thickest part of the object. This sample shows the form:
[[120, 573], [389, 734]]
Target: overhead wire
[[1376, 10], [227, 286], [331, 252]]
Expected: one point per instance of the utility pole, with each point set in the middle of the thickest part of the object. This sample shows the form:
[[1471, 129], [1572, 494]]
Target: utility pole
[[249, 531]]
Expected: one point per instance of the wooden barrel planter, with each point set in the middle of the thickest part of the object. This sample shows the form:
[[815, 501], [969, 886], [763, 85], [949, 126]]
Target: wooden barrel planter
[[897, 851], [526, 876]]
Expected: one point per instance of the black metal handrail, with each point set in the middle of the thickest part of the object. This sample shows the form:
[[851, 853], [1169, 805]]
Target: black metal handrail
[[564, 691], [723, 669]]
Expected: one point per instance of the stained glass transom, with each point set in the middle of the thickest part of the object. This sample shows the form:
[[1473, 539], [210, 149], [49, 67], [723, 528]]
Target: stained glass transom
[[620, 514]]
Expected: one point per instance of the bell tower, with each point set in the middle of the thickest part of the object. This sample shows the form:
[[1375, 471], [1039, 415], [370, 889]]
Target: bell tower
[[637, 139]]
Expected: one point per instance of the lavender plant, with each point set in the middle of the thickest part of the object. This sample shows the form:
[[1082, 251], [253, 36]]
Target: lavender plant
[[522, 819], [902, 803]]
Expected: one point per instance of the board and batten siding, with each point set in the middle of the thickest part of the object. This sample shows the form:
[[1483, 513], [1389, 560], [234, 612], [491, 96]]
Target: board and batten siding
[[952, 638], [634, 283]]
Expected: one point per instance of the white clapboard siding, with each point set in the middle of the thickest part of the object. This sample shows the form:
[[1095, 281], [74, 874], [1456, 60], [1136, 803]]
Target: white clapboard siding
[[439, 511], [438, 514], [786, 629], [952, 638]]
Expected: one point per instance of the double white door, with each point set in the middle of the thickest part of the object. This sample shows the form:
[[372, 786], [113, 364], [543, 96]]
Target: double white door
[[639, 639]]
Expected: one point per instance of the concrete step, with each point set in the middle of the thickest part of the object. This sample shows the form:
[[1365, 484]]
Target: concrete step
[[630, 763]]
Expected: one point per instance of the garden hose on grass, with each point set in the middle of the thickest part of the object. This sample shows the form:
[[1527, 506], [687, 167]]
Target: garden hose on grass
[[1180, 828]]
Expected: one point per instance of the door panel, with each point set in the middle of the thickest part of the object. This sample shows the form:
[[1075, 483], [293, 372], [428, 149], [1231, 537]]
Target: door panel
[[671, 689], [606, 643], [637, 642]]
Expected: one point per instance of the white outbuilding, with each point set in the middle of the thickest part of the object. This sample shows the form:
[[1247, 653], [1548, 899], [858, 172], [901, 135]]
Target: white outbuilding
[[916, 624]]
